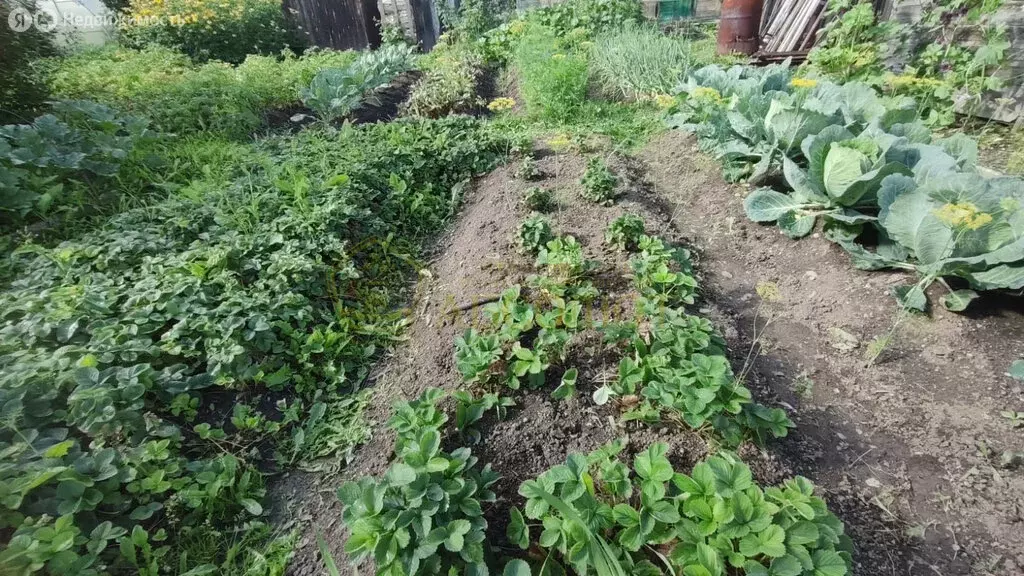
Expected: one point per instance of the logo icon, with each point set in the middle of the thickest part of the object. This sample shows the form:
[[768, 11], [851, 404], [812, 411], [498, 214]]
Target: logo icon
[[19, 19], [46, 22]]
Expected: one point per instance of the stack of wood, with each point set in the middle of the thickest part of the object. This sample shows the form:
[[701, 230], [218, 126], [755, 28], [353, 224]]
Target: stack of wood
[[789, 28]]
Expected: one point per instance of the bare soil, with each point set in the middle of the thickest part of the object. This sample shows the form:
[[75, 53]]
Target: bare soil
[[894, 447]]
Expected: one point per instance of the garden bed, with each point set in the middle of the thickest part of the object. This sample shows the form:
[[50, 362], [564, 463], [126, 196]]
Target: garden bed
[[917, 435]]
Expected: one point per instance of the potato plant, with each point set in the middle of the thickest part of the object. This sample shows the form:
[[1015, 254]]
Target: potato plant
[[597, 514]]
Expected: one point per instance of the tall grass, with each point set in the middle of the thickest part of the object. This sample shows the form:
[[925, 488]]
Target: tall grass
[[639, 60], [552, 76]]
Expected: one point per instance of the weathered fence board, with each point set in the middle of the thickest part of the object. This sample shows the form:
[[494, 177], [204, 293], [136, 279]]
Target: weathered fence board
[[340, 24]]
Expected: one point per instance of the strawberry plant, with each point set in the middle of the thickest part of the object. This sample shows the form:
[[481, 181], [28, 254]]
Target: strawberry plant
[[534, 233], [596, 514], [598, 183], [624, 232], [663, 275], [528, 170], [424, 515], [539, 199], [150, 367], [680, 371], [562, 260]]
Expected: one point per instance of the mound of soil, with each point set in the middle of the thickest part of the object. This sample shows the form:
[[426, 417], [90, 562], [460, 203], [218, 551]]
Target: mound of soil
[[473, 263]]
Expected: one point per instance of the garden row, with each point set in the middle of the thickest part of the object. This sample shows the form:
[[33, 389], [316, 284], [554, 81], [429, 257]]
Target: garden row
[[597, 512]]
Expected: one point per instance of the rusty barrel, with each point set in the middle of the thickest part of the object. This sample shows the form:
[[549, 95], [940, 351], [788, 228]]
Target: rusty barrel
[[738, 27]]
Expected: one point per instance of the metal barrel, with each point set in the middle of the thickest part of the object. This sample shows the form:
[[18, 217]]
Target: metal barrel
[[738, 27]]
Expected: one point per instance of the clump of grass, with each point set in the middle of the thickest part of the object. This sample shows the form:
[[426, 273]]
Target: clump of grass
[[552, 79], [640, 61]]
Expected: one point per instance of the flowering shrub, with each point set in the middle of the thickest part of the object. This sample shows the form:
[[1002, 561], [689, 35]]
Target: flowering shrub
[[227, 30]]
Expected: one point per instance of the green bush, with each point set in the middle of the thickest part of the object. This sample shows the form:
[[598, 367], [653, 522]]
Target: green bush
[[449, 85], [63, 161], [119, 349], [181, 97], [22, 89], [226, 30], [552, 79]]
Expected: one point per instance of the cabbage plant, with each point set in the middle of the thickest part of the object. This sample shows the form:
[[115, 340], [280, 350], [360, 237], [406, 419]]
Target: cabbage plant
[[958, 225]]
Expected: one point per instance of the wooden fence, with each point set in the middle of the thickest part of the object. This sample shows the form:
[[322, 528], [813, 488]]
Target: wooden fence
[[339, 24]]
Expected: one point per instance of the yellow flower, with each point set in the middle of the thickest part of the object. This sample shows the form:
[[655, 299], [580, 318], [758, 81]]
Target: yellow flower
[[964, 215], [501, 104], [664, 101], [560, 142], [704, 93], [517, 27], [558, 57], [803, 83]]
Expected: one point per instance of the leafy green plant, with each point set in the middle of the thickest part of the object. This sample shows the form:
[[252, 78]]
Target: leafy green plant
[[336, 92], [539, 199], [46, 163], [552, 80], [952, 225], [229, 30], [680, 369], [599, 183], [469, 409], [599, 515], [449, 85], [640, 61], [625, 232], [563, 260], [277, 283], [534, 233], [662, 274], [528, 170], [424, 515]]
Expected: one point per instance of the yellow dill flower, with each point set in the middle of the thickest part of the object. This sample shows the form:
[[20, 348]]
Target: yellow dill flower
[[558, 57], [517, 27], [560, 142], [962, 215], [664, 101], [501, 104], [803, 83]]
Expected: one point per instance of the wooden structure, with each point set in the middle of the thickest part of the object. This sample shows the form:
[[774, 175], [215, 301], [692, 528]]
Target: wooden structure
[[417, 18], [338, 24]]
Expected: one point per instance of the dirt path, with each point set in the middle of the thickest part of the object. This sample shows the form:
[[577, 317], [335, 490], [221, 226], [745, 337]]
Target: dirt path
[[893, 446], [918, 435]]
